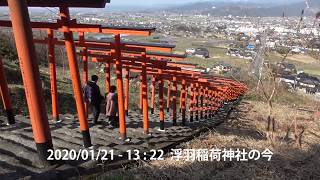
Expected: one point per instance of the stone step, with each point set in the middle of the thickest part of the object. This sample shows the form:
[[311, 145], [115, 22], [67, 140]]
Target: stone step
[[18, 152]]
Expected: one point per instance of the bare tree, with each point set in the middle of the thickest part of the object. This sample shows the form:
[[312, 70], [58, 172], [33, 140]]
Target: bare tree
[[267, 75]]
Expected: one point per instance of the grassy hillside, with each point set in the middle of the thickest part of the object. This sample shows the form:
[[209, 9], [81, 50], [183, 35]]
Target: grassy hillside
[[245, 129], [66, 104]]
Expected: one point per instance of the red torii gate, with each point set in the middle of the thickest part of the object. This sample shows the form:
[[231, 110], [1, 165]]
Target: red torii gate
[[191, 81], [106, 57], [85, 53], [94, 28], [4, 92], [153, 94], [128, 63], [81, 28], [30, 71], [151, 55]]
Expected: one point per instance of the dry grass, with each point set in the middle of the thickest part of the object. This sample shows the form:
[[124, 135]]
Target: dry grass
[[303, 58], [300, 58], [302, 62], [244, 129]]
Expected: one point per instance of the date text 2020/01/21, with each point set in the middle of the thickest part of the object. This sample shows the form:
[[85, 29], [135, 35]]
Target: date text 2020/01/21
[[103, 155]]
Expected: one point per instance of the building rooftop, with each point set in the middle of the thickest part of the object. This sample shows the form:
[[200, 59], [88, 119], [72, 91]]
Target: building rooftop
[[167, 54]]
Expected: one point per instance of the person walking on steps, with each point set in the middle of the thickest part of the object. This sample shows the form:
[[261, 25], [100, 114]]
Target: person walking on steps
[[93, 97], [112, 106]]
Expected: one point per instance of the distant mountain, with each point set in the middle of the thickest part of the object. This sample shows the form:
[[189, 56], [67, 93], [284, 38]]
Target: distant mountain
[[261, 8]]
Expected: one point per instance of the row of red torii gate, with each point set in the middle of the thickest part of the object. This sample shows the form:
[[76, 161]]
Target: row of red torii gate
[[151, 60]]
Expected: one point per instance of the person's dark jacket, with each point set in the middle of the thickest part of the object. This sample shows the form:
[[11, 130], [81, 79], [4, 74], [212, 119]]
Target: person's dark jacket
[[93, 95]]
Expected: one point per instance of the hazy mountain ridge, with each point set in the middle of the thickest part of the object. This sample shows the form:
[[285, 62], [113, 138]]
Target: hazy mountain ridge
[[249, 9]]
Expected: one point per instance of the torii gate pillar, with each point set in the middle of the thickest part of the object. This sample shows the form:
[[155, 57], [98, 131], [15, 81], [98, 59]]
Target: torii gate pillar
[[4, 92], [31, 76]]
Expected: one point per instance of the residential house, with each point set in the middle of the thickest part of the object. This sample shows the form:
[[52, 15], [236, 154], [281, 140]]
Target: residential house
[[202, 52]]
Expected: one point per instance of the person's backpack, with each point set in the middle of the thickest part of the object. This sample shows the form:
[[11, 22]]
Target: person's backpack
[[88, 92]]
